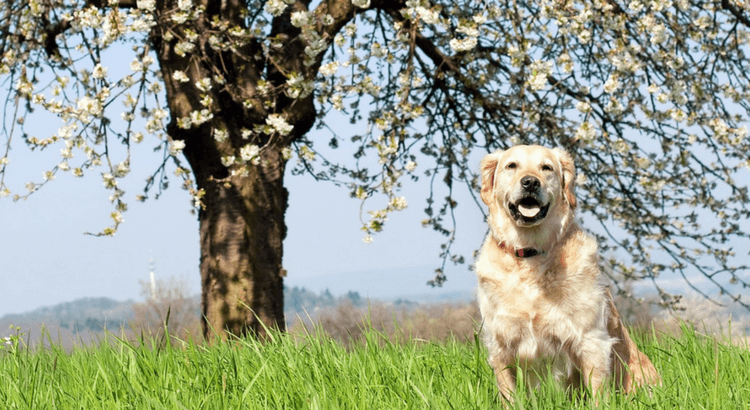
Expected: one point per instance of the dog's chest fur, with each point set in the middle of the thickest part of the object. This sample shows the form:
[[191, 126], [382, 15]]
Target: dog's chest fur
[[533, 307]]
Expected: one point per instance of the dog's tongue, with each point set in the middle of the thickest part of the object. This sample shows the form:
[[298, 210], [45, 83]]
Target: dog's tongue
[[528, 211]]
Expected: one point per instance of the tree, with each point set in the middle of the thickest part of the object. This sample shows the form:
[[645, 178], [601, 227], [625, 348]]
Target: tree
[[650, 97]]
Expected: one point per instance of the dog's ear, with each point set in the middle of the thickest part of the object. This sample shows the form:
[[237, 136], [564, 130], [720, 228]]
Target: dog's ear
[[569, 176], [487, 168]]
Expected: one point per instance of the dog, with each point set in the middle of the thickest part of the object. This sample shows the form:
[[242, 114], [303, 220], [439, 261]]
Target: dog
[[544, 308]]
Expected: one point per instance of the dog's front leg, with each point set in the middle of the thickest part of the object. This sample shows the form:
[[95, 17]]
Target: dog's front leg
[[594, 368], [505, 373]]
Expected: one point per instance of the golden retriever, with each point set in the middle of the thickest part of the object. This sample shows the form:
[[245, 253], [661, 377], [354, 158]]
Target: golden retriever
[[544, 308]]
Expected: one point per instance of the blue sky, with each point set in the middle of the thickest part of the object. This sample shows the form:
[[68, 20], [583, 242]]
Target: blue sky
[[47, 259]]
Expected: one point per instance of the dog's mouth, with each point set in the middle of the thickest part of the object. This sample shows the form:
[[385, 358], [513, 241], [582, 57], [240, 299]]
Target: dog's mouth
[[528, 210]]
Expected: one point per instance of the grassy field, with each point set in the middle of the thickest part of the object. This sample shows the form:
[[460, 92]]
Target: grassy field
[[314, 372]]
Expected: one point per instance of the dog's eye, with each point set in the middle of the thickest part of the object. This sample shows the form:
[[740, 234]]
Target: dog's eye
[[546, 167], [511, 165]]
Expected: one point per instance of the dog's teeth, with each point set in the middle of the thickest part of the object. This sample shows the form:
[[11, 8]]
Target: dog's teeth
[[528, 211]]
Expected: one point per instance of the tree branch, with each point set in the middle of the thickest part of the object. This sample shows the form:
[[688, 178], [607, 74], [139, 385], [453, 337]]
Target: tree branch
[[726, 5]]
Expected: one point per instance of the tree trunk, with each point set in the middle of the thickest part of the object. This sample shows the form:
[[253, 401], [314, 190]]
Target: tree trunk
[[242, 225], [241, 232]]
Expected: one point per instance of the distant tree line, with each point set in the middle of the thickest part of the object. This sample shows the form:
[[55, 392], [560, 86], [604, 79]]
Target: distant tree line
[[300, 300], [97, 314]]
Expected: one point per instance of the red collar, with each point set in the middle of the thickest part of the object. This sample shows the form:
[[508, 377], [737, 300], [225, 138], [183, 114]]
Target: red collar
[[521, 253]]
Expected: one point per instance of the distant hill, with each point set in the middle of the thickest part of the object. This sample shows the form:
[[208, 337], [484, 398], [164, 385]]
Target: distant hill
[[82, 314], [84, 319]]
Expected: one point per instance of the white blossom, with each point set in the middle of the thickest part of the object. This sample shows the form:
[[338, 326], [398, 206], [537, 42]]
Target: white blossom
[[329, 69], [183, 48], [109, 180], [250, 153], [479, 19], [658, 34], [635, 5], [585, 133], [301, 18], [122, 169], [279, 124], [136, 65], [143, 24], [298, 87], [220, 135], [399, 203], [275, 7], [614, 107], [612, 84], [200, 117], [361, 3], [180, 18], [24, 86], [146, 5], [184, 122], [180, 76], [517, 55], [540, 71], [643, 163], [204, 84], [228, 161], [117, 216], [286, 153], [89, 106], [184, 5], [465, 44], [584, 36], [176, 147], [99, 72], [147, 60], [429, 16], [678, 115], [468, 30], [377, 50]]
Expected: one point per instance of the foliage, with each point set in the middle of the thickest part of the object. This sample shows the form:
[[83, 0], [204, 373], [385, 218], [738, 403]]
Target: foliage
[[316, 372], [650, 97]]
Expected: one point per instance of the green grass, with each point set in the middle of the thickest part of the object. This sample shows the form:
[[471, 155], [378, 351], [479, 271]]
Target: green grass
[[313, 372]]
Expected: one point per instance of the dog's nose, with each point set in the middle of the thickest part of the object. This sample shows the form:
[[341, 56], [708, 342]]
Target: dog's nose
[[529, 184]]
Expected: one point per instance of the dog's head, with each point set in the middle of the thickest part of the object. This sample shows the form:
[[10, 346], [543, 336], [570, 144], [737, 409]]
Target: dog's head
[[528, 183]]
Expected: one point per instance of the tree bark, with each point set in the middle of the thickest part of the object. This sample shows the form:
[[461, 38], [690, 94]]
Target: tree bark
[[242, 223], [241, 232]]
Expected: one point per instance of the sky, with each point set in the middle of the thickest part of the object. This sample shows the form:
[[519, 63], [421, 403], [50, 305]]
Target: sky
[[45, 257]]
